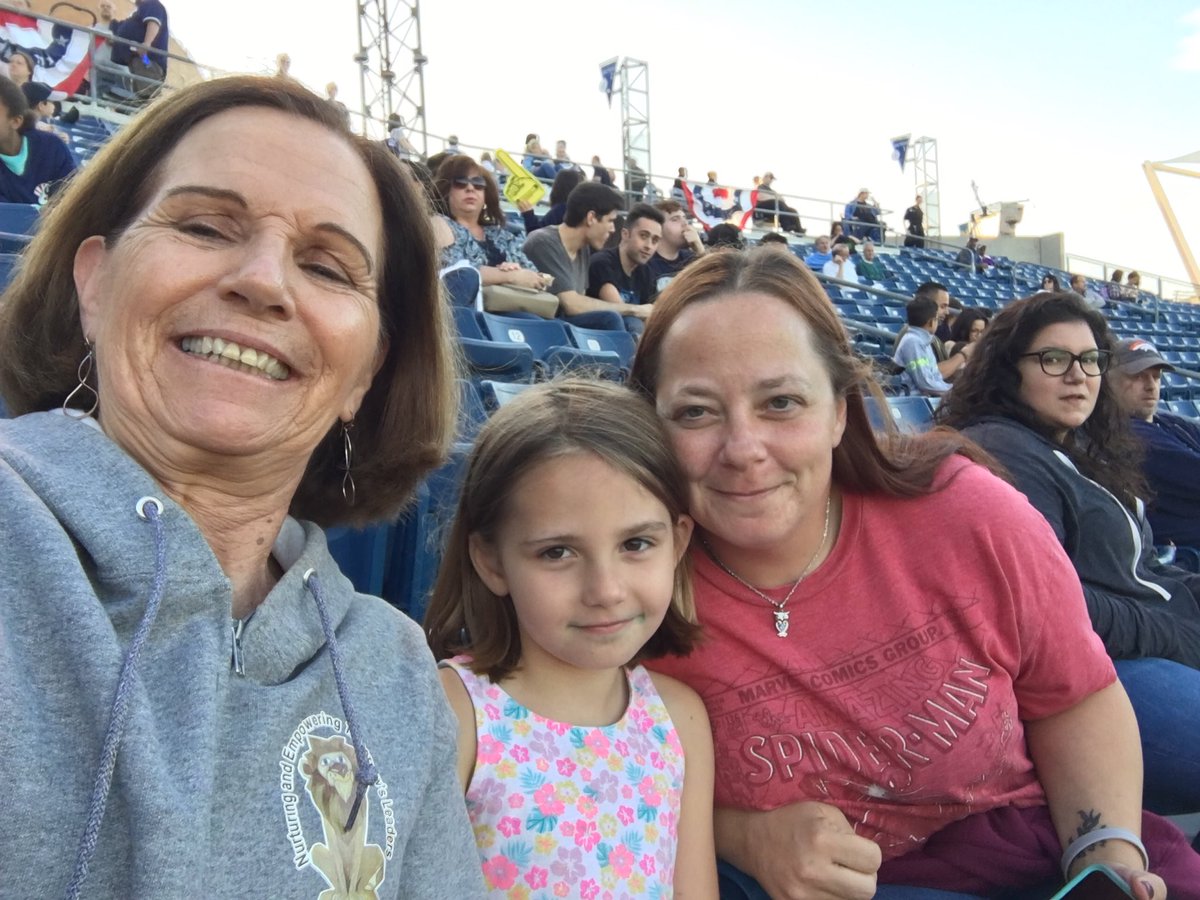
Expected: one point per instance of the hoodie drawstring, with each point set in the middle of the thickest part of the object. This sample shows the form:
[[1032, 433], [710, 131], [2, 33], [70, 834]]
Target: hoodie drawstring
[[366, 774], [150, 509]]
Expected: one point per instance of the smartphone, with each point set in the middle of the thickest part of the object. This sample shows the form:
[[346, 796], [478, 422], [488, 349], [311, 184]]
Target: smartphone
[[1096, 882]]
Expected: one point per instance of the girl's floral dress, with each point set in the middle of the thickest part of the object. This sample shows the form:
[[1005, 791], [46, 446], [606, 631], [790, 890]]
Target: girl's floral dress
[[561, 810]]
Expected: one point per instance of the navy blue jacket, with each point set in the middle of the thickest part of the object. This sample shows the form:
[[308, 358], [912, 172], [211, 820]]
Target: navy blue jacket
[[1138, 607], [48, 162], [1173, 469]]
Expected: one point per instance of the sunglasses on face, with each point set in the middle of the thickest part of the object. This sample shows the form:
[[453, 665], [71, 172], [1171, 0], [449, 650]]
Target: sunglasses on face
[[1058, 362], [475, 181]]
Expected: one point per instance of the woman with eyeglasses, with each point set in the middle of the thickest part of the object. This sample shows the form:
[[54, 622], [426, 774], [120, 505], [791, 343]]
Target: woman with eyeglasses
[[1035, 397], [472, 226]]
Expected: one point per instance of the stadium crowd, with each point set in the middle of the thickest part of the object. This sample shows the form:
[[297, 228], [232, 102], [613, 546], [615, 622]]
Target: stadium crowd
[[711, 631]]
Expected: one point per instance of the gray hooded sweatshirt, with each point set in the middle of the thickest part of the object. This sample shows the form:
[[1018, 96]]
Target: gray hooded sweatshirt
[[225, 784]]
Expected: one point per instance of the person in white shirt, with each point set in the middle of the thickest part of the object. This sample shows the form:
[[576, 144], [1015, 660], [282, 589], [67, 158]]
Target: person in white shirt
[[840, 266]]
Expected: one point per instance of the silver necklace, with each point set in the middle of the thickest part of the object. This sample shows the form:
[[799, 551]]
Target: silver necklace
[[780, 611]]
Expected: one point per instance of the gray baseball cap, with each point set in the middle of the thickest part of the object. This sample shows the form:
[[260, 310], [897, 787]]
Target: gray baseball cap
[[1137, 355]]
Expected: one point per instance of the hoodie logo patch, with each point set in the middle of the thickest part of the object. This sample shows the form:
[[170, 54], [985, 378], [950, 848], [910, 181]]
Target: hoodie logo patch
[[319, 763]]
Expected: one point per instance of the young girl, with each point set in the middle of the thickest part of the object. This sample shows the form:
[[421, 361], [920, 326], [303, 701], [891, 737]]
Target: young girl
[[585, 775]]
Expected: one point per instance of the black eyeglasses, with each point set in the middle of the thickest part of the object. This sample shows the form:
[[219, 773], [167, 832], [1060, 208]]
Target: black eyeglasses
[[475, 181], [1058, 362]]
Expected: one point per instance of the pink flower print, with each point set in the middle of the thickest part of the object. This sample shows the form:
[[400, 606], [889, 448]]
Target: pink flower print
[[649, 791], [626, 792], [586, 807], [647, 864], [489, 795], [589, 890], [542, 765], [621, 747], [621, 861], [519, 753], [596, 742], [500, 872], [569, 865], [547, 801], [585, 774], [565, 766], [559, 728], [509, 826], [516, 801], [625, 814], [492, 711], [561, 889], [489, 750], [587, 835], [537, 877]]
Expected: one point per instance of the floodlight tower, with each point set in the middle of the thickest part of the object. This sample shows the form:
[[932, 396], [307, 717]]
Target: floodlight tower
[[635, 113], [389, 35], [925, 171]]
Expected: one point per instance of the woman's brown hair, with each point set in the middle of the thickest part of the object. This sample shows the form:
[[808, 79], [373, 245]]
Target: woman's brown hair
[[460, 165], [864, 461], [406, 420], [570, 415]]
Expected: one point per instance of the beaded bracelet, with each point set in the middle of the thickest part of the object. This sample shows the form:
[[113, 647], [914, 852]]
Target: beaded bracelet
[[1082, 842]]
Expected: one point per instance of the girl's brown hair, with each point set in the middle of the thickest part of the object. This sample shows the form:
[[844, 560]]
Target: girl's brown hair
[[548, 421]]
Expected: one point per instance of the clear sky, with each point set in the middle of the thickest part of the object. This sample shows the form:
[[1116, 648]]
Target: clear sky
[[1055, 103]]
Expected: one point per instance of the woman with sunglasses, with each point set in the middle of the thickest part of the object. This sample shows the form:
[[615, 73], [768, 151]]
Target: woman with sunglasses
[[1034, 396], [472, 226]]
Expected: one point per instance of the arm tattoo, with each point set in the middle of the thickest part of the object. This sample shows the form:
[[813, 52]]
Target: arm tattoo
[[1089, 821]]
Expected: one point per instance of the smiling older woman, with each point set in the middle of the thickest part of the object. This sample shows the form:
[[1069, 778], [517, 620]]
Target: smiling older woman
[[232, 284], [951, 713]]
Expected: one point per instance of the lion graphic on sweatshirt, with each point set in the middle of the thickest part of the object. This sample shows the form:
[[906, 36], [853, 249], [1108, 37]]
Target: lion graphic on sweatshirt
[[353, 868]]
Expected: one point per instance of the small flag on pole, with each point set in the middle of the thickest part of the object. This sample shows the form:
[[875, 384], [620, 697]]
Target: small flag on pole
[[900, 149], [608, 75]]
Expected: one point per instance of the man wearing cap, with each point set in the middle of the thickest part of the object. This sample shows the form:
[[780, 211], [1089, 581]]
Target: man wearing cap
[[1172, 443], [770, 205]]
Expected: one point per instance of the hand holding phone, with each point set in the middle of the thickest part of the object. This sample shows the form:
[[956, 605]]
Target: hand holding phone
[[1096, 882]]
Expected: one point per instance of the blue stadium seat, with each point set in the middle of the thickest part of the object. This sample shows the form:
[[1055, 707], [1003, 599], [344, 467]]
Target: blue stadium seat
[[552, 348], [496, 360], [462, 285], [471, 411], [911, 414], [17, 223], [497, 393], [621, 343], [361, 555], [1184, 408]]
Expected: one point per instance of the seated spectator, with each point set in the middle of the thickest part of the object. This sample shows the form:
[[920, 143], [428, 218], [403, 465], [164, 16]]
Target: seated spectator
[[968, 328], [868, 264], [968, 256], [1171, 443], [452, 148], [1133, 287], [775, 239], [770, 206], [602, 174], [565, 252], [862, 217], [837, 235], [1034, 398], [562, 162], [398, 139], [839, 265], [20, 67], [32, 163], [489, 164], [473, 227], [819, 255], [1114, 288], [537, 160], [985, 262], [1080, 286], [621, 275], [1050, 284], [914, 355], [726, 235], [680, 244], [42, 108], [564, 183], [147, 26], [948, 365]]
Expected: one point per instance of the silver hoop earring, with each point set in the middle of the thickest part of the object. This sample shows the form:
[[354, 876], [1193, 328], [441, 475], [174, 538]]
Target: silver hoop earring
[[348, 453], [84, 372]]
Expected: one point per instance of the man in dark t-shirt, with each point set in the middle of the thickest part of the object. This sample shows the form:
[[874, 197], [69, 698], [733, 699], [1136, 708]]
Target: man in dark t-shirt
[[148, 27], [621, 275]]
